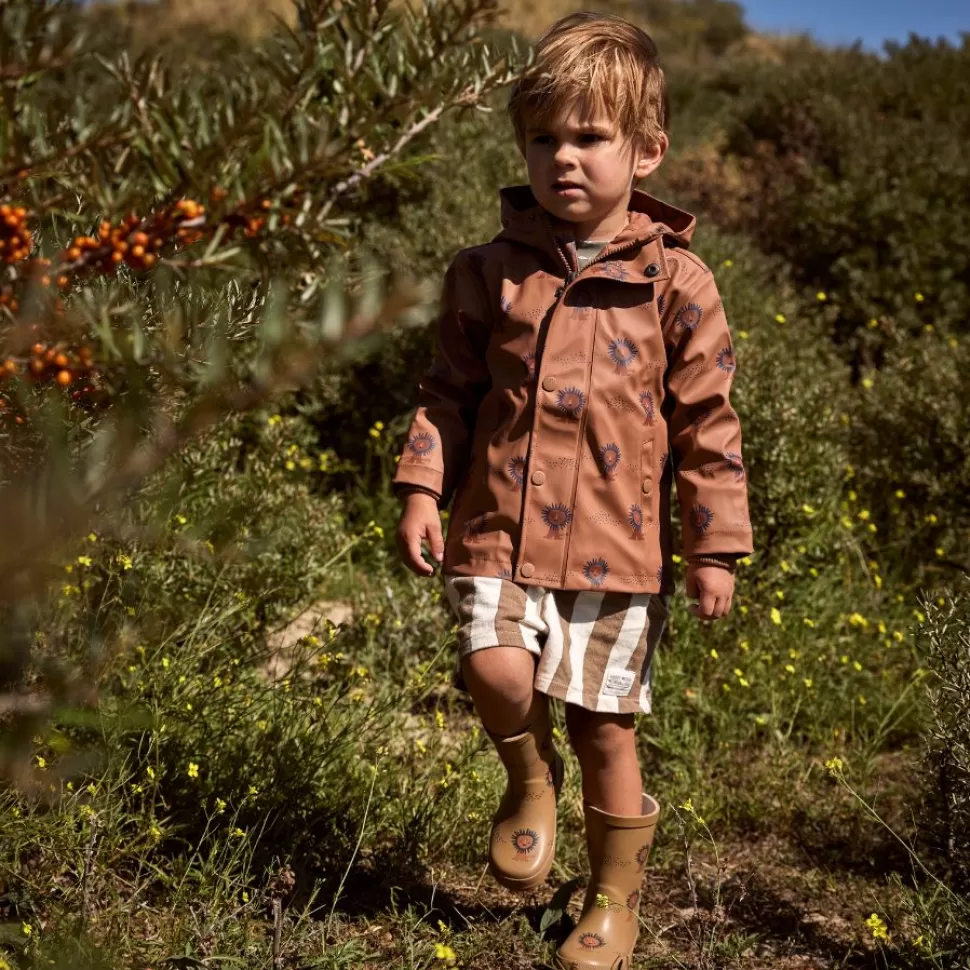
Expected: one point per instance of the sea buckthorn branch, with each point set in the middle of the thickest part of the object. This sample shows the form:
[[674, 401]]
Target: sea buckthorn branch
[[36, 522]]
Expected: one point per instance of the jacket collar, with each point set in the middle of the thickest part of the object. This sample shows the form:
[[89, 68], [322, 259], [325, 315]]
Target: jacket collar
[[651, 221]]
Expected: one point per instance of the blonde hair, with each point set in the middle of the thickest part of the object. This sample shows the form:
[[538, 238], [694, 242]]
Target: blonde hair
[[602, 62]]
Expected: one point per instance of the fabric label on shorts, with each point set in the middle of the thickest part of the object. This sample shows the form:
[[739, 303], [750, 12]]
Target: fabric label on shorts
[[618, 682]]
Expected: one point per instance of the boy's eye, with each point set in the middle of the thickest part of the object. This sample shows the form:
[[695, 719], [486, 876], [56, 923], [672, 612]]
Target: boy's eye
[[591, 136]]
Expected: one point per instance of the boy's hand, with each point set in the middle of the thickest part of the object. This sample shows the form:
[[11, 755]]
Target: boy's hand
[[715, 589], [419, 520]]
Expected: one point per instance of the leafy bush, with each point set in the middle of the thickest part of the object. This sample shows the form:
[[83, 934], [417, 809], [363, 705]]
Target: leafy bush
[[851, 166]]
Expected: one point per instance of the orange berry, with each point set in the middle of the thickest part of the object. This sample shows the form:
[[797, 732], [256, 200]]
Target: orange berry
[[63, 282], [61, 360], [116, 257], [149, 259], [50, 354], [74, 253], [19, 419], [140, 239], [138, 251], [64, 377], [265, 204], [158, 242], [37, 349], [45, 281], [36, 366]]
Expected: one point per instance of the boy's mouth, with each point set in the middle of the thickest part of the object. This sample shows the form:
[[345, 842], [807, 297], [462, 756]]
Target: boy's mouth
[[564, 185]]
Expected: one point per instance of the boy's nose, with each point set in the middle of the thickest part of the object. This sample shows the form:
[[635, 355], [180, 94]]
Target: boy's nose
[[563, 157]]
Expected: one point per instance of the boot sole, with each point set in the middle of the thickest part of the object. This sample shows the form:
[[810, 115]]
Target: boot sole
[[622, 963], [536, 879]]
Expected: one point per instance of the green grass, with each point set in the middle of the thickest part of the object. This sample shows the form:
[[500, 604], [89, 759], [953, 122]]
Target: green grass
[[338, 793]]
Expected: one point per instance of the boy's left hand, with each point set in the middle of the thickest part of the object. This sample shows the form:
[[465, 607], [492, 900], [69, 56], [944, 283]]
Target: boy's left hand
[[714, 587]]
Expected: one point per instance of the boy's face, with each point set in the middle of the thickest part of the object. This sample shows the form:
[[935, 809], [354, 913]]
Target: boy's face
[[582, 169]]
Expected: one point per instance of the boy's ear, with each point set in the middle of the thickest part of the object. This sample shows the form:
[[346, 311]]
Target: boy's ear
[[649, 159]]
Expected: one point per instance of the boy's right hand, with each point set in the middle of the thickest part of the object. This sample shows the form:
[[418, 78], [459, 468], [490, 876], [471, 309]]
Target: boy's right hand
[[419, 521]]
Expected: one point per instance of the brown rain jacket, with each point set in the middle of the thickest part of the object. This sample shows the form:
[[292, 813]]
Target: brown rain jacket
[[562, 404]]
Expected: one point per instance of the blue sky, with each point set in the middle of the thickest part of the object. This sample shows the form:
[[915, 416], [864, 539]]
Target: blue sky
[[872, 21]]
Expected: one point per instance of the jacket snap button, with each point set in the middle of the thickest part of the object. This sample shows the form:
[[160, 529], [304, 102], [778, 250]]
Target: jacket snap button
[[527, 569], [549, 383], [538, 478], [653, 269], [646, 485]]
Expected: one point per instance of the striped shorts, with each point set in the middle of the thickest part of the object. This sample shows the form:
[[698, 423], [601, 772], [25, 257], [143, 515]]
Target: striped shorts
[[592, 649]]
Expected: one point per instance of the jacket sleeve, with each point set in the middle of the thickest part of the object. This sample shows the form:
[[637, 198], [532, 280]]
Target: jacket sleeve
[[703, 428], [439, 439]]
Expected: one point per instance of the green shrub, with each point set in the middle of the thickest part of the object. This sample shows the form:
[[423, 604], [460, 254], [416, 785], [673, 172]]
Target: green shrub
[[852, 167]]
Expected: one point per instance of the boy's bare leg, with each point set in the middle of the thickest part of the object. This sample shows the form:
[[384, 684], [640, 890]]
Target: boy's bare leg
[[500, 682], [606, 748]]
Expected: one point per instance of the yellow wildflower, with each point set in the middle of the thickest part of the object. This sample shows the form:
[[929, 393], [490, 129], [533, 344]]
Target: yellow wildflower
[[780, 317], [918, 297], [193, 770], [84, 560], [834, 765], [821, 296], [878, 927], [775, 616], [445, 953], [743, 335]]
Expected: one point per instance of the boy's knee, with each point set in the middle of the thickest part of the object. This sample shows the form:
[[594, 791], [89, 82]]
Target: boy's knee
[[508, 671], [596, 734]]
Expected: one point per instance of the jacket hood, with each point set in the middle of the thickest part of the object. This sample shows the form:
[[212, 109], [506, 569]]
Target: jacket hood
[[525, 221]]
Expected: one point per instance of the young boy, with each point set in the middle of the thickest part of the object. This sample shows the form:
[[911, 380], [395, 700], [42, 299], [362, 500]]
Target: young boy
[[584, 364]]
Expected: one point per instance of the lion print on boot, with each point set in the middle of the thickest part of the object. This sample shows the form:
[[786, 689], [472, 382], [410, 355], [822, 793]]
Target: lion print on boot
[[619, 846], [522, 844]]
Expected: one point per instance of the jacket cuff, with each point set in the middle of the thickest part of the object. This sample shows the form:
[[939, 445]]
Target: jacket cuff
[[410, 475]]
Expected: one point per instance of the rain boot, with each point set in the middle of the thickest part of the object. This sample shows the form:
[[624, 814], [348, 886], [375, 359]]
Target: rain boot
[[523, 838], [606, 933]]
